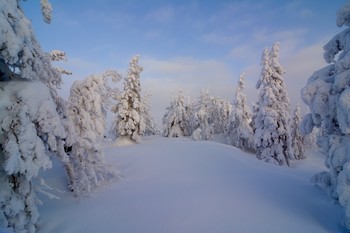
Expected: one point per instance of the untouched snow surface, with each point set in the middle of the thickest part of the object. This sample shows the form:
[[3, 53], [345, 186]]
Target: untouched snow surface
[[178, 185]]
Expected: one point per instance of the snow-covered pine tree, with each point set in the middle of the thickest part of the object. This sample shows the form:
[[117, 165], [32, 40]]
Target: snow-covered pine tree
[[31, 128], [297, 138], [174, 120], [130, 123], [327, 94], [87, 115], [239, 130], [271, 116]]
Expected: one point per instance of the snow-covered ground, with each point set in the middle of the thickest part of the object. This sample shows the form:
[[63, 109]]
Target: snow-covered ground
[[177, 185]]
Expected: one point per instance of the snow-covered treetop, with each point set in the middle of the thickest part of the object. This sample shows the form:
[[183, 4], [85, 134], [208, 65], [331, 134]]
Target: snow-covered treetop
[[343, 15], [134, 65], [46, 10], [336, 45], [274, 54], [13, 21], [133, 78], [114, 75], [240, 89], [266, 70], [340, 41], [20, 50], [270, 65], [241, 85]]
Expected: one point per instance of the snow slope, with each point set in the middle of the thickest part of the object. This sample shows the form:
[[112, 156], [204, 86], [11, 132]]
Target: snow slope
[[178, 185]]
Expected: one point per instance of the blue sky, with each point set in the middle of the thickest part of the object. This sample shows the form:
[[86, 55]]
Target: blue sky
[[186, 44]]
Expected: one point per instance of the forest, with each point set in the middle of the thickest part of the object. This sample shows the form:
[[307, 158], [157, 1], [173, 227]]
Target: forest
[[40, 128]]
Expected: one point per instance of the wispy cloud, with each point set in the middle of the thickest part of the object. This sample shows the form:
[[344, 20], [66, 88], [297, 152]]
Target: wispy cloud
[[191, 73], [246, 52], [249, 51], [163, 14], [300, 65], [219, 38], [69, 22], [161, 77], [194, 44], [296, 9], [288, 36]]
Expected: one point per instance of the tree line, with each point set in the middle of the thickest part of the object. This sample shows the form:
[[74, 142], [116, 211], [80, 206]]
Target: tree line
[[267, 130]]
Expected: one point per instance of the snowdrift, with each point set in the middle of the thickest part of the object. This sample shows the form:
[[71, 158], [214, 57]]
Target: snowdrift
[[178, 185]]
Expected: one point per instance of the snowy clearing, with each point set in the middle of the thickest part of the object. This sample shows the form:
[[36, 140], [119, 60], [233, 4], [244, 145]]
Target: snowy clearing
[[178, 185]]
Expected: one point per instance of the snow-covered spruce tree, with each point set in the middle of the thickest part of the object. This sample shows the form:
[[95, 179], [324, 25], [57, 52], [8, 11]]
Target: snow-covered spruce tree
[[220, 114], [20, 49], [310, 140], [202, 114], [239, 130], [130, 123], [192, 123], [227, 110], [31, 128], [209, 113], [297, 138], [327, 94], [271, 116], [150, 124], [197, 135], [87, 114], [174, 120]]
